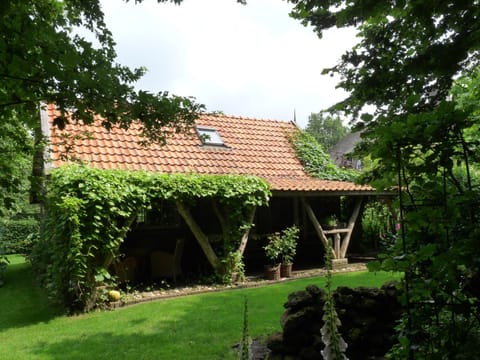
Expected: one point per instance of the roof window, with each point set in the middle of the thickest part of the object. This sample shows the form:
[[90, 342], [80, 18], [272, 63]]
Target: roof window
[[209, 136]]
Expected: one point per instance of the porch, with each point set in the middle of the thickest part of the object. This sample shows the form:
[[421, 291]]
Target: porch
[[161, 246]]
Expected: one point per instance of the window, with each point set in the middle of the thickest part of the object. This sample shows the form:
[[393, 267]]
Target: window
[[209, 136]]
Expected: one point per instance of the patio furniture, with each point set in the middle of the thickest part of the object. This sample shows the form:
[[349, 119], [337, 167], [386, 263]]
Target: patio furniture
[[167, 265]]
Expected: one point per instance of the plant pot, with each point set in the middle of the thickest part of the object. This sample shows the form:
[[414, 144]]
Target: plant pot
[[286, 270], [272, 272]]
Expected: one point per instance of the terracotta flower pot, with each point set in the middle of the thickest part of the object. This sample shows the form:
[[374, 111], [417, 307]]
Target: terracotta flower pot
[[272, 272], [286, 270]]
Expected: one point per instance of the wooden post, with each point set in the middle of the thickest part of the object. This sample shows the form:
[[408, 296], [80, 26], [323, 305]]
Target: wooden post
[[317, 226], [337, 249], [351, 224], [202, 239], [244, 240]]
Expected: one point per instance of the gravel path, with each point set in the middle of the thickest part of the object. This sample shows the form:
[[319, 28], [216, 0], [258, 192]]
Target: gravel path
[[250, 281]]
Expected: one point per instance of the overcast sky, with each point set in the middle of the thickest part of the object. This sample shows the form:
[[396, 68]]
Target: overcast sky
[[252, 60]]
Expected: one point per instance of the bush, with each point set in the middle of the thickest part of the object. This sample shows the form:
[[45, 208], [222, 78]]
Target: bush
[[18, 236], [3, 267], [377, 226]]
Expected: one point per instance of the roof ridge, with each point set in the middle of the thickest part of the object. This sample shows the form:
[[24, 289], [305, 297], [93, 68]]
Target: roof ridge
[[221, 114]]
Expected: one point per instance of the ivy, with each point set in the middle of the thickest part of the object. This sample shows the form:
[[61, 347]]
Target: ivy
[[89, 211], [316, 161]]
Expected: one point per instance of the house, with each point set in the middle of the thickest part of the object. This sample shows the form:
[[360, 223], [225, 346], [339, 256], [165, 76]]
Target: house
[[341, 151], [217, 144]]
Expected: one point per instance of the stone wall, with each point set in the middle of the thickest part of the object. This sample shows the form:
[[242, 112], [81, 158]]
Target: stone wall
[[367, 315]]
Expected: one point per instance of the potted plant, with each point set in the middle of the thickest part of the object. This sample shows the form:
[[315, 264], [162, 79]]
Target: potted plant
[[330, 222], [272, 252], [288, 249]]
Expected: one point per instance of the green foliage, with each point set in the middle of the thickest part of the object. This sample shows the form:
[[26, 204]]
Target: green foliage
[[377, 225], [62, 52], [288, 244], [18, 236], [174, 328], [413, 86], [16, 147], [327, 130], [3, 266], [246, 344], [335, 346], [234, 267], [281, 246], [330, 221], [316, 161], [89, 212], [84, 76], [273, 248], [436, 248]]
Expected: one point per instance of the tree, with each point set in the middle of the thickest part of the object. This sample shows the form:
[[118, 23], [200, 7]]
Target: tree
[[326, 130], [44, 58], [15, 163], [406, 67]]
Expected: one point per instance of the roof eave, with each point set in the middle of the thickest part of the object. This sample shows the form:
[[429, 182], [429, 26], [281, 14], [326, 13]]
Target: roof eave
[[323, 193]]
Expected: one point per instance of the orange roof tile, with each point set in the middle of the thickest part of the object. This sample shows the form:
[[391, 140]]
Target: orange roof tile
[[252, 147]]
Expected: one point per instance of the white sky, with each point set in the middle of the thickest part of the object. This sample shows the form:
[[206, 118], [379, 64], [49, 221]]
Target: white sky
[[251, 60]]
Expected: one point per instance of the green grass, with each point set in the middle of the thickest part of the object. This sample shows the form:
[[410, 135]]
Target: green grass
[[201, 326]]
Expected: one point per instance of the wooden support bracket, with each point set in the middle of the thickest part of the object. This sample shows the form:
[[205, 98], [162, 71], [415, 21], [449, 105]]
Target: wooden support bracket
[[340, 246], [202, 239], [351, 225], [246, 233], [316, 225]]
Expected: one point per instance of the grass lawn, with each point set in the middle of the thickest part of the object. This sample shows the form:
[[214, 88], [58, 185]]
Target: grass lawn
[[203, 326]]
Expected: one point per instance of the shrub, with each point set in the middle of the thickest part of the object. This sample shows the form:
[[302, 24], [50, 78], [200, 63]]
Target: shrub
[[3, 267], [377, 226], [18, 236]]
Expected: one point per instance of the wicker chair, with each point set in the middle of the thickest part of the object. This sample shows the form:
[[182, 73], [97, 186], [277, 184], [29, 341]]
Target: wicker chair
[[167, 265]]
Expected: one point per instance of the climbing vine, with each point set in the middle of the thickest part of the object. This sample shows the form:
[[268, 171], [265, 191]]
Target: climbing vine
[[89, 211], [316, 161]]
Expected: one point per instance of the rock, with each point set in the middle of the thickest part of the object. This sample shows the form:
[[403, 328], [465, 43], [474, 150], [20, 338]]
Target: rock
[[367, 315], [298, 300]]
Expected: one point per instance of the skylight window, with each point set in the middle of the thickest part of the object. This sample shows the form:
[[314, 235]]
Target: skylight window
[[209, 136]]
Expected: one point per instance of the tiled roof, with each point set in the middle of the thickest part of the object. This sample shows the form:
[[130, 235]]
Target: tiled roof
[[252, 147]]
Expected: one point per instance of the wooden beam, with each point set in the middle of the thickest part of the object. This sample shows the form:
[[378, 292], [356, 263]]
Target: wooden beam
[[202, 239], [336, 246], [351, 225], [244, 240], [316, 225]]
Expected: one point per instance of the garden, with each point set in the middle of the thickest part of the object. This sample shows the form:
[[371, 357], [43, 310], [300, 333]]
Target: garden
[[202, 326]]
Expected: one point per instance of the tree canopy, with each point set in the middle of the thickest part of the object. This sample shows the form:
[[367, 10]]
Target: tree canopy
[[412, 81], [46, 57], [409, 51], [327, 130], [61, 52]]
